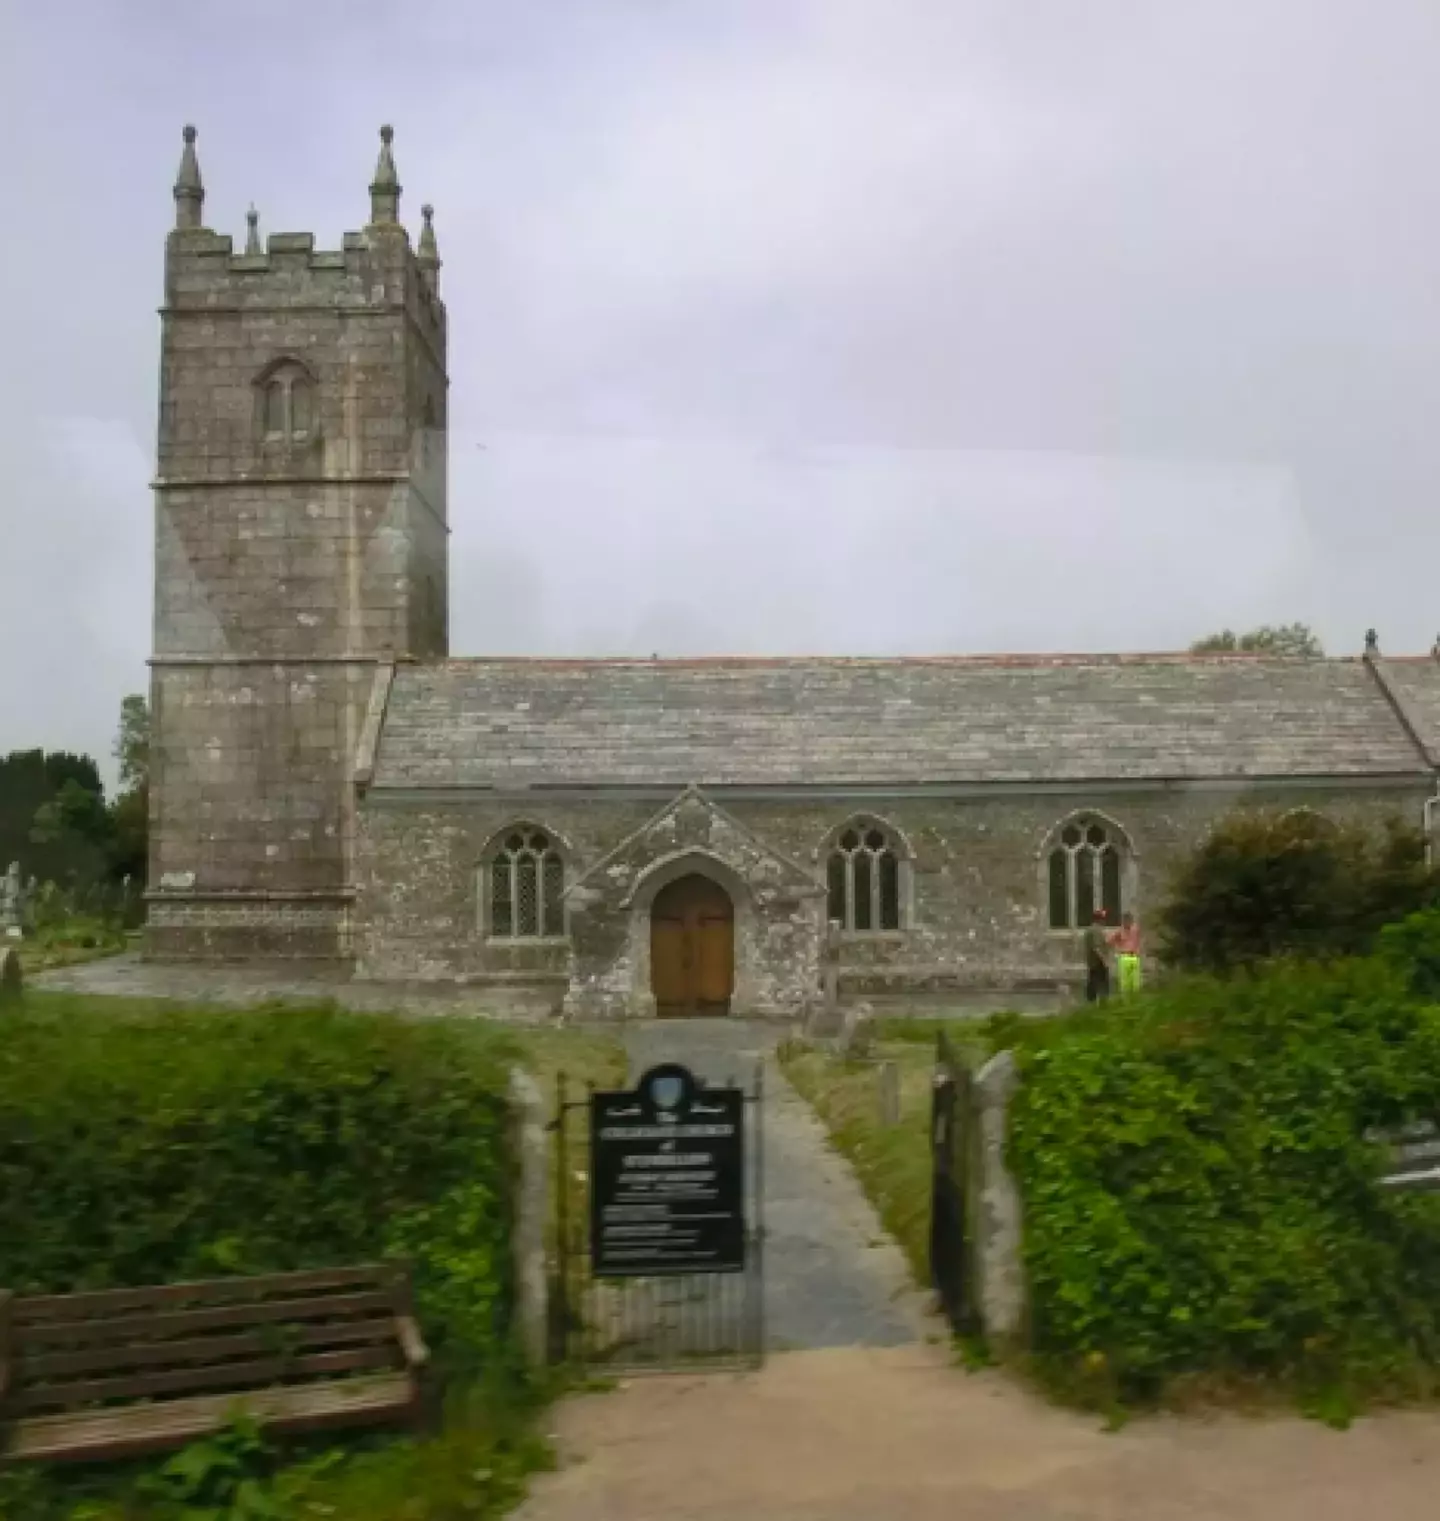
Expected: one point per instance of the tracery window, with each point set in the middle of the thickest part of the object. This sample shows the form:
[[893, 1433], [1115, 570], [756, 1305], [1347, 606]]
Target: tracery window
[[287, 403], [527, 885], [1085, 871], [863, 874]]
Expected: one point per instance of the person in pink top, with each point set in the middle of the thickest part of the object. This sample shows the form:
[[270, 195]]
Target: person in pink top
[[1126, 944]]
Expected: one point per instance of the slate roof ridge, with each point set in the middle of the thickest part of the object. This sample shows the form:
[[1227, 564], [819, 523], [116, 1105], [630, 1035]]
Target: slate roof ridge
[[1007, 662]]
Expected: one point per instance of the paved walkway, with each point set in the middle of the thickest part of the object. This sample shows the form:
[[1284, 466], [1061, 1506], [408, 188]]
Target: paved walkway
[[832, 1276]]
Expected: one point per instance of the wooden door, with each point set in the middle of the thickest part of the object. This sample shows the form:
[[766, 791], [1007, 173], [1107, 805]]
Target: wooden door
[[692, 948]]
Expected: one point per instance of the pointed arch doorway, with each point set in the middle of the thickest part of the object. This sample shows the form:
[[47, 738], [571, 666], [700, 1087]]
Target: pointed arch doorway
[[692, 948]]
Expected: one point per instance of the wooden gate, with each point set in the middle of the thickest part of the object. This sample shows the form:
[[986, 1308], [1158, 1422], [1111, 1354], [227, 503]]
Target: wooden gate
[[952, 1141], [640, 1321]]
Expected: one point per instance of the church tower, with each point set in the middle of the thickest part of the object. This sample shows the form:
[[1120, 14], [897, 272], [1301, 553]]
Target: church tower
[[300, 551]]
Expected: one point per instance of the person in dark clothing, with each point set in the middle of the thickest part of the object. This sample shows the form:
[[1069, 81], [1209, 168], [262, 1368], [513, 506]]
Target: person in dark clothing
[[1097, 960]]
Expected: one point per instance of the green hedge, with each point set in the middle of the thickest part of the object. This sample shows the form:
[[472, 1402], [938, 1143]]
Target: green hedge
[[1199, 1199], [193, 1144]]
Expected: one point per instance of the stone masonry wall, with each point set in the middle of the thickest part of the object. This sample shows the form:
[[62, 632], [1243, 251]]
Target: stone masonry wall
[[977, 895], [418, 881], [251, 829], [286, 568]]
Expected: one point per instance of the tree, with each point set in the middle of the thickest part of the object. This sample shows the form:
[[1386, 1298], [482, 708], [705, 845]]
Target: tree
[[54, 818], [1269, 639], [1292, 884], [132, 743], [130, 841], [31, 781], [130, 812], [72, 834]]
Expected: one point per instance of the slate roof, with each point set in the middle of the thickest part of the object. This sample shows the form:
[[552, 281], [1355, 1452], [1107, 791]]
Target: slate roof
[[745, 722], [1416, 683]]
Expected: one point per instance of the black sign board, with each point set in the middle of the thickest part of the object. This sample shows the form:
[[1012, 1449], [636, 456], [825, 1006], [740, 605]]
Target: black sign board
[[667, 1178], [1414, 1157]]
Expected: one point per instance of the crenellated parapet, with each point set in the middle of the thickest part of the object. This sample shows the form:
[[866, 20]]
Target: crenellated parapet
[[375, 269]]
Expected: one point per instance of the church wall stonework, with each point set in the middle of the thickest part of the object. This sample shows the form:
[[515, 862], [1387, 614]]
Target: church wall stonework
[[419, 912], [978, 895], [296, 550], [977, 903], [419, 900]]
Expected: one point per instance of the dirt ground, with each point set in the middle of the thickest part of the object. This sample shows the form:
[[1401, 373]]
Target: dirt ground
[[843, 1434]]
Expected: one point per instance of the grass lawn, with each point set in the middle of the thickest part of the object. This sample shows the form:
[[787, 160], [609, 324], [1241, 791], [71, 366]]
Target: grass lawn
[[474, 1466], [40, 956]]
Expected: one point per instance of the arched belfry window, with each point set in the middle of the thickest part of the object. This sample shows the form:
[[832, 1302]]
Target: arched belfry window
[[525, 879], [1088, 865], [863, 874], [286, 403]]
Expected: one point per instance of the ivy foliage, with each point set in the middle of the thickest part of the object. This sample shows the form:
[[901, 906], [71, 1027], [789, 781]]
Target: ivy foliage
[[1200, 1198], [180, 1145]]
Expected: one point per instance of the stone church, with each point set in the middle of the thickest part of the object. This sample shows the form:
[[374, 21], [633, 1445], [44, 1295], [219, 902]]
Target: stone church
[[627, 837]]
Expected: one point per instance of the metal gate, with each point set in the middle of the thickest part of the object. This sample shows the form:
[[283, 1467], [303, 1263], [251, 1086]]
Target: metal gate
[[639, 1324], [951, 1143]]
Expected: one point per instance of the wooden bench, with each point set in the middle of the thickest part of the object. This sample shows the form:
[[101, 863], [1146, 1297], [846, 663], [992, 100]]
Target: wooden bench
[[91, 1377]]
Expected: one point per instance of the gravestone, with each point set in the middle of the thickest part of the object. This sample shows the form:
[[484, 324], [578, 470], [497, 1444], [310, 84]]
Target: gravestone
[[832, 967], [888, 1092], [857, 1035], [10, 902], [825, 1019], [1413, 1157], [12, 982]]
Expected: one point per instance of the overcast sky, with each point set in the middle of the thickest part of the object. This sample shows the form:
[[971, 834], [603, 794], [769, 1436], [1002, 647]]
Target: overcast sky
[[851, 326]]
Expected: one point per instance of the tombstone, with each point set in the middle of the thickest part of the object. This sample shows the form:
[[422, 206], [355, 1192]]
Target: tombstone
[[12, 982], [832, 966], [888, 1092], [10, 903], [857, 1035]]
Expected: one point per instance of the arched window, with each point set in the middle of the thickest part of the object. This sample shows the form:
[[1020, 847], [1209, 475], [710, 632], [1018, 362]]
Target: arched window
[[287, 402], [526, 876], [863, 874], [1086, 866]]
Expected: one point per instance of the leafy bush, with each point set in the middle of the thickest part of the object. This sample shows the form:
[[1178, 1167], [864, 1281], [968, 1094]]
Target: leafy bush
[[1199, 1198], [1413, 945], [180, 1145], [1292, 884]]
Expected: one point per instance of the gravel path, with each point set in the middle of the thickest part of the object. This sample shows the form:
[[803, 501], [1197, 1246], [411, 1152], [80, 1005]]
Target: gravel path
[[898, 1434]]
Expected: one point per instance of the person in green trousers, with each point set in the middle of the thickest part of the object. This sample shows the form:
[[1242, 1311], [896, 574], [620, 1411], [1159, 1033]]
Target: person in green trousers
[[1126, 943]]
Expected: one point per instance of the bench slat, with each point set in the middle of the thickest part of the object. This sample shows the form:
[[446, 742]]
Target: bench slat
[[103, 1434], [132, 1328], [260, 1371], [42, 1367], [53, 1307]]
